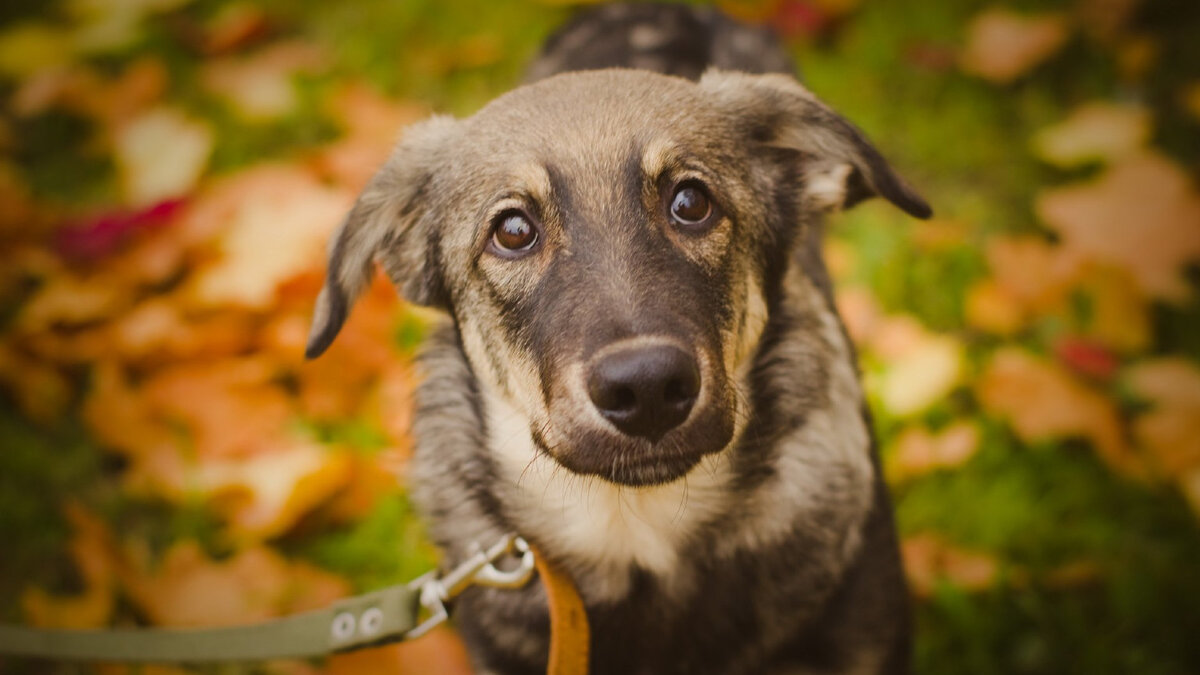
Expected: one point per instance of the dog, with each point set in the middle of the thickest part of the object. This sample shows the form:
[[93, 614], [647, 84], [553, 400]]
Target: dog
[[641, 369]]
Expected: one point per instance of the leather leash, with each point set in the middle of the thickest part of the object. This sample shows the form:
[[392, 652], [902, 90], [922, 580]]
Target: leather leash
[[570, 637], [369, 620]]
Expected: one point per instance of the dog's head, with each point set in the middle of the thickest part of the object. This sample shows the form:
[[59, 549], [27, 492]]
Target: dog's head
[[608, 244]]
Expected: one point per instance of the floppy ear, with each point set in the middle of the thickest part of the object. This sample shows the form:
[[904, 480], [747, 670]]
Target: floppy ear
[[390, 222], [841, 167]]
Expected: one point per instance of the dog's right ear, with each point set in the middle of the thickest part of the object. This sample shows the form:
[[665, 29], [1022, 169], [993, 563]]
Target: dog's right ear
[[390, 222]]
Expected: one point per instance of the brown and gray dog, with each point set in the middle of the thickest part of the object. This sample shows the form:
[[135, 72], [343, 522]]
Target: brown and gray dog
[[642, 371]]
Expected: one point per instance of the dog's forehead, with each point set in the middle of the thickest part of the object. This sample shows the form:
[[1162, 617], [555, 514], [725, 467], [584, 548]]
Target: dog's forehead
[[590, 117]]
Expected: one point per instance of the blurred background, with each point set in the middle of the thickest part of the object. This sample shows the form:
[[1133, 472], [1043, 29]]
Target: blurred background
[[170, 171]]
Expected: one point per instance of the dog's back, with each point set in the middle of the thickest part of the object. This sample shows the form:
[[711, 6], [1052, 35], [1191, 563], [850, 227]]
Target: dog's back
[[669, 39]]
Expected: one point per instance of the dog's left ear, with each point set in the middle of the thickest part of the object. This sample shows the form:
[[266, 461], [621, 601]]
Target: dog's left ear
[[841, 166], [392, 223]]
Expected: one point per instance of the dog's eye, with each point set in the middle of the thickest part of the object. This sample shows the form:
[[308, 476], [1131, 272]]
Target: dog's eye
[[690, 204], [513, 233]]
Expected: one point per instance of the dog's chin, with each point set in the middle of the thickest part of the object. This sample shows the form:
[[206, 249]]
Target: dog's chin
[[637, 462]]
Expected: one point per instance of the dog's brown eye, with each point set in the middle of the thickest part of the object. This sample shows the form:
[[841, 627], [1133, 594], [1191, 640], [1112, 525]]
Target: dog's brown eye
[[514, 233], [690, 205]]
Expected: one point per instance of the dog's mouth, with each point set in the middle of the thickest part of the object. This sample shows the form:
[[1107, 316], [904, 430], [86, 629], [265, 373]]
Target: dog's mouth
[[652, 412]]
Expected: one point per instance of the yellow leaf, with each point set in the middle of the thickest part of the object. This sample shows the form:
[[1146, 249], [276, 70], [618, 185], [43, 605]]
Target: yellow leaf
[[922, 376], [1142, 215], [1002, 45], [1120, 316], [992, 308], [1094, 131], [161, 154]]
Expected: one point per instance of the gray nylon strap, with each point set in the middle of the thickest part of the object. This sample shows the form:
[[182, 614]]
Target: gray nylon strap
[[365, 620]]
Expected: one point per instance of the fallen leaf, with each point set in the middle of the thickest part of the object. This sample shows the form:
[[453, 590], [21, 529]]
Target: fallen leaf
[[93, 552], [918, 451], [1034, 272], [1170, 430], [265, 494], [120, 418], [860, 312], [1002, 45], [71, 301], [1097, 131], [275, 222], [1085, 357], [1042, 401], [372, 124], [42, 393], [101, 235], [233, 27], [230, 407], [1142, 215], [1120, 316], [190, 589], [930, 561], [992, 308], [440, 651], [261, 86], [160, 155], [921, 375]]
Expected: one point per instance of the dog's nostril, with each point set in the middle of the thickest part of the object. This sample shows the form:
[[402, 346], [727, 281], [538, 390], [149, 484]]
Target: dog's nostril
[[645, 391], [681, 390], [624, 399]]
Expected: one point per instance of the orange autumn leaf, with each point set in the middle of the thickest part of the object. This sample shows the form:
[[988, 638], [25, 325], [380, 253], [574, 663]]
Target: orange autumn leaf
[[264, 495], [440, 651], [190, 589], [1002, 45], [230, 407], [918, 451], [1170, 429], [372, 123], [69, 300], [41, 392], [929, 561], [93, 552], [1042, 401], [1032, 271], [1142, 215]]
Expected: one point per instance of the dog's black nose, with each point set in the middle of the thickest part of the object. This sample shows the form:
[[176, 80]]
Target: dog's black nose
[[645, 391]]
